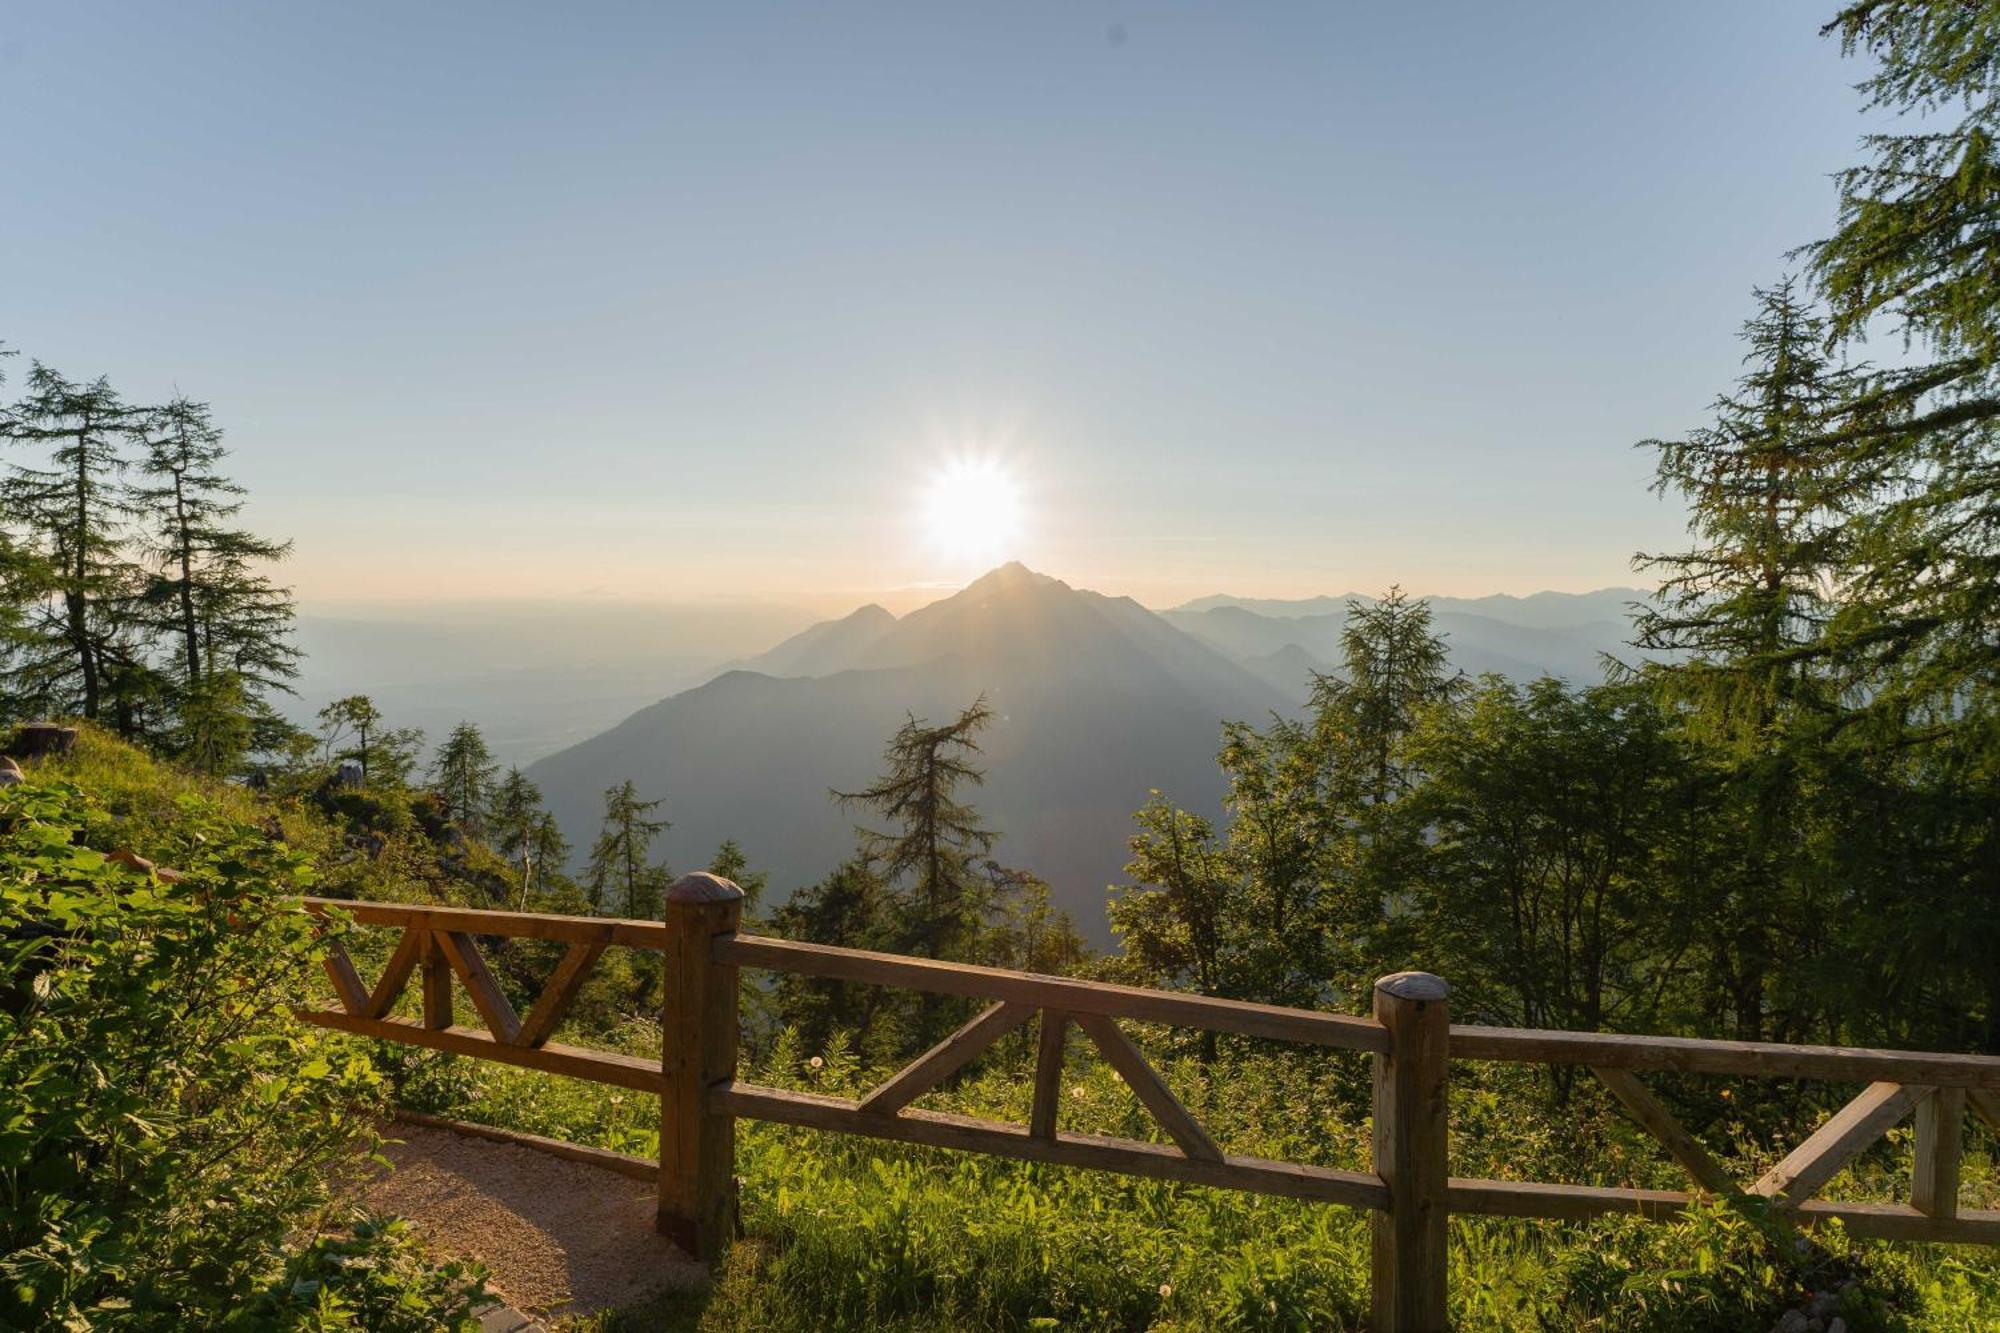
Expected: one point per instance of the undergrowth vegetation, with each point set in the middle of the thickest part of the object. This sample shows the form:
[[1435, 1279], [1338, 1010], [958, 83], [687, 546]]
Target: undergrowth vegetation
[[849, 1233]]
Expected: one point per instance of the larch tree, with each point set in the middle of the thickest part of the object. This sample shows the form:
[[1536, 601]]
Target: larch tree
[[621, 872], [936, 841], [461, 775], [524, 831], [74, 516], [1916, 254]]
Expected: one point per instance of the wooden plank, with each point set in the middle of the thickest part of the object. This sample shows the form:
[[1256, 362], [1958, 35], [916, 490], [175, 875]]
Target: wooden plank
[[396, 975], [516, 925], [564, 984], [1048, 1074], [623, 1071], [346, 981], [1940, 1136], [1986, 1104], [1658, 1121], [1130, 1157], [1847, 1132], [481, 985], [1152, 1090], [638, 1168], [1407, 1250], [1694, 1055], [1524, 1198], [947, 1057], [437, 983], [1577, 1203], [1075, 997]]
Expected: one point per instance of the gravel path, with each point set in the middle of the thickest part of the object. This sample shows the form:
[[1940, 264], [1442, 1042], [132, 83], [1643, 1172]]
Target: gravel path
[[558, 1237]]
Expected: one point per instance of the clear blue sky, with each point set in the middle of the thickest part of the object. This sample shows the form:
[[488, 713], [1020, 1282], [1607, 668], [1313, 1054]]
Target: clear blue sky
[[639, 300]]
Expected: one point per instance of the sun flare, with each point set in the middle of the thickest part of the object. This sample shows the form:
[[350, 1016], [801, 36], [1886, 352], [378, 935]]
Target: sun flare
[[972, 511]]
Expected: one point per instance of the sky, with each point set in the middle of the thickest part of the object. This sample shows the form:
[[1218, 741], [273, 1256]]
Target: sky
[[695, 303]]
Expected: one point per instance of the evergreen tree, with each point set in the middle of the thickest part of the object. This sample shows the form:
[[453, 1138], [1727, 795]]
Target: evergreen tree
[[730, 863], [620, 873], [204, 591], [1743, 614], [75, 516], [1764, 488], [937, 840], [1916, 254], [526, 832], [852, 908], [462, 776], [1395, 666]]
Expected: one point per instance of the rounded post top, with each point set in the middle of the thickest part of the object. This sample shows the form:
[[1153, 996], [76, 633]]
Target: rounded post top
[[702, 887], [1413, 986]]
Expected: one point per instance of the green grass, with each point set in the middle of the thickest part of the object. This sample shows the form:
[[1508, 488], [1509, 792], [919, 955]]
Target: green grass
[[845, 1233]]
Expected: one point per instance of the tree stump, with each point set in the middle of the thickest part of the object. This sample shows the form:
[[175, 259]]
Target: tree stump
[[32, 740]]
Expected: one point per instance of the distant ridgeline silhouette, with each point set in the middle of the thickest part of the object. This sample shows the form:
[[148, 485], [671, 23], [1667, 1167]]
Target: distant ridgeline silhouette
[[1097, 700]]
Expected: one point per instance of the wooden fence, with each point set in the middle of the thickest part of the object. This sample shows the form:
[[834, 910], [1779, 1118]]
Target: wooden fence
[[1409, 1037]]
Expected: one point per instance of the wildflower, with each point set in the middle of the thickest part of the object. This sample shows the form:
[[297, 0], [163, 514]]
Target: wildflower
[[1166, 1290], [1077, 1092], [815, 1063]]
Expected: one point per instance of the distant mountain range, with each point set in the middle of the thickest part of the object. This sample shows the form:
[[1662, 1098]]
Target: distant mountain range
[[1097, 700]]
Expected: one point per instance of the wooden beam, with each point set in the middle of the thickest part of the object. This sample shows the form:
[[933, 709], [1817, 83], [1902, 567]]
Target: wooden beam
[[1075, 997], [623, 1071], [396, 975], [1048, 1074], [638, 1168], [1576, 1203], [1847, 1132], [1694, 1055], [1152, 1090], [1986, 1104], [462, 952], [1658, 1121], [1940, 1135], [947, 1057], [1130, 1157], [564, 984], [514, 925], [437, 983], [346, 981]]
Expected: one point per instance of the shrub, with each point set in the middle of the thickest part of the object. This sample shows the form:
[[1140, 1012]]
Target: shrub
[[164, 1122]]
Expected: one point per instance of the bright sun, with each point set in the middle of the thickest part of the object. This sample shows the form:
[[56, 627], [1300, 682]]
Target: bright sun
[[972, 510]]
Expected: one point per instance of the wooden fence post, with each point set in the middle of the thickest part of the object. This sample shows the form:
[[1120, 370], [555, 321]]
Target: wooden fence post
[[1408, 1277], [698, 1023]]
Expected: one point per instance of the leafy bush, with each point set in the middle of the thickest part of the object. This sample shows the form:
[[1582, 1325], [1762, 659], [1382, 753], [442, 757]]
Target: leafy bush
[[164, 1122], [375, 1276]]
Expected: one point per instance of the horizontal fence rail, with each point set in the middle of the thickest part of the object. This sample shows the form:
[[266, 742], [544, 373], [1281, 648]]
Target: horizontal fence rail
[[1408, 1037]]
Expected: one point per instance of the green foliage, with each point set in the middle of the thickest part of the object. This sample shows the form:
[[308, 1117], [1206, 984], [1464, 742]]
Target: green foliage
[[621, 876], [163, 1120], [374, 1275]]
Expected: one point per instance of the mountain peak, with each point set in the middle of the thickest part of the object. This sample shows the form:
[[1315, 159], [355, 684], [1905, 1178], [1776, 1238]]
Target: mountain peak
[[1008, 577]]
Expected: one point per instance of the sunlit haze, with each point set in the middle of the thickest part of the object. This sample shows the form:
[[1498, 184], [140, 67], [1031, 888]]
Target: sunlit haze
[[826, 305]]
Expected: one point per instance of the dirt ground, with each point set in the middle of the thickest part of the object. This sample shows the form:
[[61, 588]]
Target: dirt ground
[[559, 1238]]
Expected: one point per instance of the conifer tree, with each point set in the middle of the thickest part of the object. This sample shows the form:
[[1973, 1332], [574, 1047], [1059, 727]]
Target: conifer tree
[[620, 872], [1915, 254], [462, 776], [730, 863], [75, 517], [524, 831], [204, 590], [1394, 666], [937, 840], [1743, 608]]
